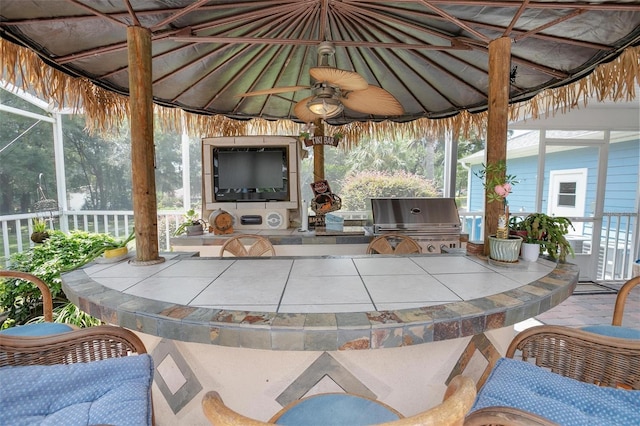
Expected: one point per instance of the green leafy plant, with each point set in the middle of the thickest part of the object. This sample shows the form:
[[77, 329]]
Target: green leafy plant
[[69, 314], [548, 231], [21, 300], [39, 225], [191, 219]]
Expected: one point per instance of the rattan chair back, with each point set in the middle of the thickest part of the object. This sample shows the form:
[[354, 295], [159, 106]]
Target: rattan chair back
[[47, 301], [248, 245], [393, 244], [580, 355], [84, 345]]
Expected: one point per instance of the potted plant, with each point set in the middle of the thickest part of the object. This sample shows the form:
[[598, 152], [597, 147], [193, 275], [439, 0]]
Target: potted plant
[[503, 247], [530, 249], [549, 232], [39, 233], [192, 225], [119, 248]]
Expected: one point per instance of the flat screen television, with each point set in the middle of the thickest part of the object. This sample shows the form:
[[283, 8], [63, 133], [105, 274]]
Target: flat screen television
[[250, 174]]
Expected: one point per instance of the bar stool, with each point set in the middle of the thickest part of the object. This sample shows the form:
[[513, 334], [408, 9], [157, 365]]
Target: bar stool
[[393, 244], [248, 245]]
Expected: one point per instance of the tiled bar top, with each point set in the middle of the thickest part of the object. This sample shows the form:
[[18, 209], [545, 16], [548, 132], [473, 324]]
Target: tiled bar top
[[318, 303]]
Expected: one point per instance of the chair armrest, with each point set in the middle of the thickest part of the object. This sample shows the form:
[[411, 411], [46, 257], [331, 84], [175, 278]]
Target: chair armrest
[[505, 416], [621, 299], [47, 300]]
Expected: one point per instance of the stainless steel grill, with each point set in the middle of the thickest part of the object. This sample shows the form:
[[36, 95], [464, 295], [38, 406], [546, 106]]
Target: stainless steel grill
[[433, 222]]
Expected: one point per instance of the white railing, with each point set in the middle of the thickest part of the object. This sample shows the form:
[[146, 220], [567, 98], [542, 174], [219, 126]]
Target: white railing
[[614, 262], [17, 229]]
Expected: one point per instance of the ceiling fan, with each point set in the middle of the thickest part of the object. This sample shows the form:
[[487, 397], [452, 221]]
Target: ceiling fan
[[335, 89]]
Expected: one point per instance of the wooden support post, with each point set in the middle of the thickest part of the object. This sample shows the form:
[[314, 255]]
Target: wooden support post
[[496, 144], [318, 152], [145, 210]]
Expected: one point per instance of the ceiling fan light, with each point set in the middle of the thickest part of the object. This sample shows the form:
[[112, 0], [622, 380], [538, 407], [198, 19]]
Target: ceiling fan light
[[325, 107]]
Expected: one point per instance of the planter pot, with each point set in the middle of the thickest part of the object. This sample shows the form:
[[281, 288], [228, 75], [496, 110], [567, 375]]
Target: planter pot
[[39, 237], [195, 230], [116, 252], [505, 249], [530, 251]]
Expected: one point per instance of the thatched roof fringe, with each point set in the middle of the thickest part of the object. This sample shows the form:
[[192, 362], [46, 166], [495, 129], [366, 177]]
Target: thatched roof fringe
[[105, 110]]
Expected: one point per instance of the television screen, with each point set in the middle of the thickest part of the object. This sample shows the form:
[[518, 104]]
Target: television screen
[[250, 174]]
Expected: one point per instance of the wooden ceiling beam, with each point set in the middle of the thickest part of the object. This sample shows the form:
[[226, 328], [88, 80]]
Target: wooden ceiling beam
[[343, 43]]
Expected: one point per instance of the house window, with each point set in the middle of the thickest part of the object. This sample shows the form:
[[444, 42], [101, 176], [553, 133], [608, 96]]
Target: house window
[[567, 194]]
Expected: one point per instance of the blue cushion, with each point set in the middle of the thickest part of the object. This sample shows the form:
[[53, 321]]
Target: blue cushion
[[566, 401], [614, 331], [336, 409], [113, 391], [39, 329]]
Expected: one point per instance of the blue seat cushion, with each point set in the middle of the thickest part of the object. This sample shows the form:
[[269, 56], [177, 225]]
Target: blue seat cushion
[[566, 401], [114, 391], [614, 331], [39, 329], [336, 409]]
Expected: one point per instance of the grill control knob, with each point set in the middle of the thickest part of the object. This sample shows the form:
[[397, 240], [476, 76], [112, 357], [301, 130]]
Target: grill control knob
[[431, 248]]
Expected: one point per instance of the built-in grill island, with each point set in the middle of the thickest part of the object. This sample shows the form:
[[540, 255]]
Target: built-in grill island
[[433, 222]]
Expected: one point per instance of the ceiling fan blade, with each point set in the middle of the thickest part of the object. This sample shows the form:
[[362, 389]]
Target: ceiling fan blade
[[345, 80], [272, 91], [303, 113], [373, 100]]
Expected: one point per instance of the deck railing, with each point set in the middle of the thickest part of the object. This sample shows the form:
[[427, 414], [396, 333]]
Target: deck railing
[[615, 257]]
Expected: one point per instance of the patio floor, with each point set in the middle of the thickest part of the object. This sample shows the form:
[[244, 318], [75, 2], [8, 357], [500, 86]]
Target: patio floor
[[593, 304]]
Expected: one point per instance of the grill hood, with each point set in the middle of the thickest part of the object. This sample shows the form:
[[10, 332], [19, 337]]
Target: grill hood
[[415, 215]]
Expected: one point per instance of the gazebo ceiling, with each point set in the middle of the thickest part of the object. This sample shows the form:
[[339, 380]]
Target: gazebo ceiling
[[432, 56]]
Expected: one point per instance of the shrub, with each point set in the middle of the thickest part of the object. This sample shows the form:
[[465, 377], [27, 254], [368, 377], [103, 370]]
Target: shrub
[[20, 301], [358, 188]]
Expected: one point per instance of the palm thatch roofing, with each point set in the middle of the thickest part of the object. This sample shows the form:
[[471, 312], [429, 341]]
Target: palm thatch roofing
[[431, 55]]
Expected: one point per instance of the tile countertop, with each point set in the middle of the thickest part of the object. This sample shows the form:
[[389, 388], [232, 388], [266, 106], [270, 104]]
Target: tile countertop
[[318, 303]]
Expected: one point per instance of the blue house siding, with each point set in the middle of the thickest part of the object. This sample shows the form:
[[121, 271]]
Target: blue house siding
[[621, 188]]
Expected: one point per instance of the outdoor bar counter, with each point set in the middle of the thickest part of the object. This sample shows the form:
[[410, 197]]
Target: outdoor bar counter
[[264, 332]]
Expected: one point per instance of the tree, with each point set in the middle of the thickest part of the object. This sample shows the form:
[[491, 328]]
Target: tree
[[98, 165], [363, 185], [26, 151]]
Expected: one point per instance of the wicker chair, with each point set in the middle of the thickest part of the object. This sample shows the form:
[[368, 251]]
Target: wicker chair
[[248, 245], [403, 244], [616, 329], [574, 353], [49, 327], [78, 346], [457, 402]]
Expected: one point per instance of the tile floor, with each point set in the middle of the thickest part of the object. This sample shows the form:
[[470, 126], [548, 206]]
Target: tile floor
[[586, 308]]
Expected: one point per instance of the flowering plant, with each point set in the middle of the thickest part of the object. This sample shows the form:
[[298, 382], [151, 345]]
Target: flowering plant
[[497, 183]]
